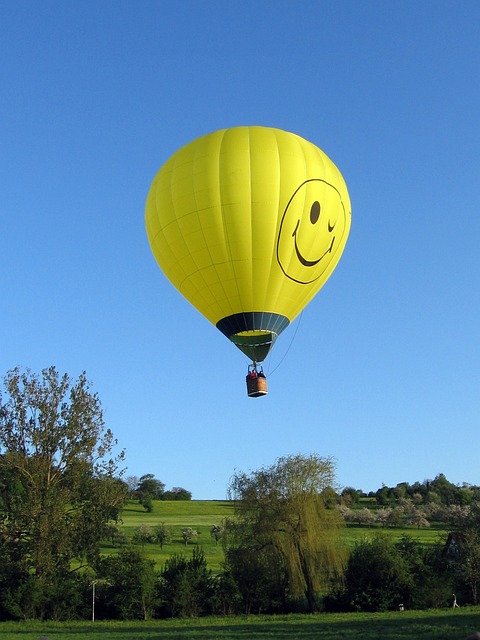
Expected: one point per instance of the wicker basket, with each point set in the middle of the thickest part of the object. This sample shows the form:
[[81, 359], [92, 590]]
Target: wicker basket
[[256, 386]]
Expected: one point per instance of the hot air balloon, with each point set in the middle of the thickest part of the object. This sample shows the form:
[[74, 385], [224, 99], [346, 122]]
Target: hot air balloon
[[248, 223]]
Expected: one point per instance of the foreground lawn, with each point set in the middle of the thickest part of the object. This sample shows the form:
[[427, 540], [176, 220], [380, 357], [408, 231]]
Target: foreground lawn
[[415, 625]]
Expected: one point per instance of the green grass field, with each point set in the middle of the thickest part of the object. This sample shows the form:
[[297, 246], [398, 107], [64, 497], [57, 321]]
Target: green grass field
[[202, 514], [445, 624], [436, 532], [198, 514]]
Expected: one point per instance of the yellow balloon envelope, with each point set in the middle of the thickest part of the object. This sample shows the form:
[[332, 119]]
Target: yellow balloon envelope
[[248, 223]]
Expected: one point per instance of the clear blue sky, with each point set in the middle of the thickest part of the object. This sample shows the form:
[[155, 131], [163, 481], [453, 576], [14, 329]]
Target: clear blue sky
[[382, 371]]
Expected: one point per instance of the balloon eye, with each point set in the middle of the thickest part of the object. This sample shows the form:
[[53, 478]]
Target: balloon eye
[[314, 212]]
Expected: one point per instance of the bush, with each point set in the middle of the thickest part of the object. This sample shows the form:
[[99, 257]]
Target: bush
[[186, 586], [377, 578], [127, 586]]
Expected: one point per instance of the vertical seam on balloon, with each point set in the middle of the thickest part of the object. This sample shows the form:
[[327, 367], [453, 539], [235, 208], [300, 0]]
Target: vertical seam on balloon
[[249, 156], [225, 234], [273, 261], [174, 215], [225, 231], [220, 281], [175, 222], [198, 270], [274, 254]]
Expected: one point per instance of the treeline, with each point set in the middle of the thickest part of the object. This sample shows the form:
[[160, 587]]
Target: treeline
[[429, 492], [418, 504], [61, 495], [147, 488], [379, 575]]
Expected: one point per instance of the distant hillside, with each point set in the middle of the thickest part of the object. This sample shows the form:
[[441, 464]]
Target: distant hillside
[[202, 515]]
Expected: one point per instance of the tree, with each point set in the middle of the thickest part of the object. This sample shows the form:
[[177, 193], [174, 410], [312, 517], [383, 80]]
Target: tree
[[146, 502], [351, 496], [129, 585], [330, 498], [467, 523], [383, 516], [430, 582], [470, 561], [58, 484], [186, 586], [260, 575], [418, 517], [162, 534], [363, 516], [132, 484], [177, 493], [115, 535], [217, 531], [447, 491], [395, 517], [188, 534], [149, 486], [143, 535], [227, 599], [281, 509], [384, 496], [376, 578]]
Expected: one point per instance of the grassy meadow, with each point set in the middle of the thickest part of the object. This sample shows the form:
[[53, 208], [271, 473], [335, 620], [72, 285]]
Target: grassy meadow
[[445, 624], [203, 514]]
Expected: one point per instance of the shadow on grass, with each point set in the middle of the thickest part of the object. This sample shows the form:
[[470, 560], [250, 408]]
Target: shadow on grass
[[393, 626]]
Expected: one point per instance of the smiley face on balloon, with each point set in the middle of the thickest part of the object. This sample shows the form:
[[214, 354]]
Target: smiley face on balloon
[[312, 231]]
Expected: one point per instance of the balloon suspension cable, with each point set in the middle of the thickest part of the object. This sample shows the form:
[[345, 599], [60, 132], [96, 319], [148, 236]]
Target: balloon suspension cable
[[255, 367], [289, 346]]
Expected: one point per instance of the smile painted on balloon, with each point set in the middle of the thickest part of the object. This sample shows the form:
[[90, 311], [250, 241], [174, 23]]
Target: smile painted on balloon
[[314, 216]]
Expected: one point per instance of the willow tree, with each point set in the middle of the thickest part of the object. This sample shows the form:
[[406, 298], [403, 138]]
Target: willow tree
[[280, 510], [59, 480]]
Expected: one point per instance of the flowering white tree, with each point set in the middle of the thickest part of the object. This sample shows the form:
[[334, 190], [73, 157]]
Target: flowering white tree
[[383, 515], [418, 518], [144, 535], [189, 534], [365, 516]]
